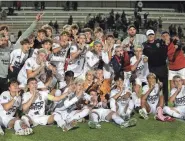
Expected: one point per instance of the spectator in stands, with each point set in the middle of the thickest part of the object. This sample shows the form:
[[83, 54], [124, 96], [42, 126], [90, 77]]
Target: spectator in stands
[[160, 23], [145, 19], [156, 51], [19, 34], [3, 15], [75, 5], [36, 5], [180, 32], [50, 23], [41, 34], [18, 5], [70, 20], [42, 5], [132, 39], [56, 26], [67, 6]]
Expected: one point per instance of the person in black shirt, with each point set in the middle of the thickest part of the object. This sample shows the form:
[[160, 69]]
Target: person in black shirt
[[41, 34], [156, 51]]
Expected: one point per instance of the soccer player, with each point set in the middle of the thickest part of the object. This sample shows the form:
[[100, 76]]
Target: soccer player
[[10, 101], [18, 58], [139, 68], [100, 112], [33, 104], [177, 98], [152, 99], [68, 109], [120, 98], [33, 67]]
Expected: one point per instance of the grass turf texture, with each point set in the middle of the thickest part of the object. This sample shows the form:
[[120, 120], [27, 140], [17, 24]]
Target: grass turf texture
[[150, 130]]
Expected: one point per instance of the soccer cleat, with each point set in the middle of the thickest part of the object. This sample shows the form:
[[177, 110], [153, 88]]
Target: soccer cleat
[[20, 132], [1, 131], [94, 125], [69, 125], [126, 117], [129, 123], [143, 114]]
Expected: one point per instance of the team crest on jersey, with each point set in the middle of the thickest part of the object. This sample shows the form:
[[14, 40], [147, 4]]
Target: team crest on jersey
[[158, 45], [40, 98], [28, 64], [4, 97]]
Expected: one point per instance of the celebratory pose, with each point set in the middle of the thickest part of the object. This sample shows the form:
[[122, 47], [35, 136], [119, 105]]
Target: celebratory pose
[[10, 101]]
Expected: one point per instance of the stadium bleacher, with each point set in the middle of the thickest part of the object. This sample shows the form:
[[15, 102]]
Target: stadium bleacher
[[26, 16]]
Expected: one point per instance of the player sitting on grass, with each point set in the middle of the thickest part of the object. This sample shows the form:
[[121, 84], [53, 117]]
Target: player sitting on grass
[[10, 101], [151, 98], [34, 103], [120, 98], [177, 97], [100, 112], [68, 108]]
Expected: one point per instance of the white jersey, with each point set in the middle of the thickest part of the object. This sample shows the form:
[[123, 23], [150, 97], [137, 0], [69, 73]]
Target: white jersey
[[180, 98], [5, 97], [142, 69], [77, 65], [59, 58], [153, 97], [30, 64], [17, 58], [38, 106], [116, 91]]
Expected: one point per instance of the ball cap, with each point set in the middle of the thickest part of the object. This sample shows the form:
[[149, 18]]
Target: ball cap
[[150, 32]]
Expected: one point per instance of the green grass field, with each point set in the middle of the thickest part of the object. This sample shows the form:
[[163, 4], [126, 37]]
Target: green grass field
[[150, 130]]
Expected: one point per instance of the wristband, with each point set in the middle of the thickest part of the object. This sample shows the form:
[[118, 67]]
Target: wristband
[[50, 97]]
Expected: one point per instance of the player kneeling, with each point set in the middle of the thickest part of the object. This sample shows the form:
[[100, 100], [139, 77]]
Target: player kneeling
[[34, 103], [120, 99], [152, 99], [10, 101], [99, 113], [178, 98]]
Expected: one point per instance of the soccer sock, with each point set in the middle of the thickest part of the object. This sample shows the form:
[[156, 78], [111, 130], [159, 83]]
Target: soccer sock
[[17, 125], [136, 100], [1, 131], [145, 110], [171, 112], [26, 120], [59, 120], [113, 104], [94, 117], [130, 107], [117, 119], [79, 115]]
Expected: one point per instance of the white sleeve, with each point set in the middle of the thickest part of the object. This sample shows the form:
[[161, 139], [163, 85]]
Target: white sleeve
[[73, 49], [145, 89], [87, 97], [91, 60], [105, 57], [132, 61], [4, 98], [12, 57], [25, 98], [28, 64], [68, 103], [113, 93], [173, 91], [57, 58]]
